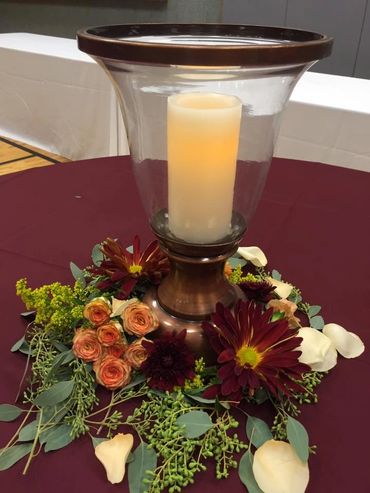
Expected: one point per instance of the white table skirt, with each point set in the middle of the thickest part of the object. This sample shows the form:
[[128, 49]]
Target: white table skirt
[[56, 97]]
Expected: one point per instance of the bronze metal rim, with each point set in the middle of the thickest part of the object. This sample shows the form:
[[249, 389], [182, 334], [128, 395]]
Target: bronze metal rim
[[281, 45]]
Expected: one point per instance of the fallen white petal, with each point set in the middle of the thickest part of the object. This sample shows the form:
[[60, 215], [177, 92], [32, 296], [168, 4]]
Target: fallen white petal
[[283, 289], [278, 469], [254, 255], [317, 349], [113, 455], [346, 343], [118, 306]]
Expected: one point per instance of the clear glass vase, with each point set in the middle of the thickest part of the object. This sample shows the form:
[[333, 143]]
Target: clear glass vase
[[202, 107]]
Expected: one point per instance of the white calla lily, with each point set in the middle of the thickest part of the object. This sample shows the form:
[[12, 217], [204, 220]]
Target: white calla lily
[[254, 255], [113, 455], [118, 306], [278, 469], [282, 289], [317, 349], [346, 343]]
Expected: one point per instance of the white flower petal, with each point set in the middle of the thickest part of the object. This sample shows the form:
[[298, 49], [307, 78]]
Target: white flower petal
[[113, 455], [254, 255], [346, 343], [278, 469], [283, 289], [118, 306], [317, 350]]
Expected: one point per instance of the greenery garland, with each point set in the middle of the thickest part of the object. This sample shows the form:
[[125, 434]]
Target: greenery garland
[[178, 431]]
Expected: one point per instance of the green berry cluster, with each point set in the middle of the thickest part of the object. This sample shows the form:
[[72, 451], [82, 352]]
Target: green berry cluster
[[182, 457]]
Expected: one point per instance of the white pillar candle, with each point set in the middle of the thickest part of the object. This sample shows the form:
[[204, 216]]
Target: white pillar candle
[[202, 139]]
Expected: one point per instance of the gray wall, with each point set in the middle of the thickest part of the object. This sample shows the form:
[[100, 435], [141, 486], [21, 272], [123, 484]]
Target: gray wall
[[347, 20], [64, 17]]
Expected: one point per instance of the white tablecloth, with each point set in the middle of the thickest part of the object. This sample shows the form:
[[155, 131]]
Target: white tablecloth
[[56, 97]]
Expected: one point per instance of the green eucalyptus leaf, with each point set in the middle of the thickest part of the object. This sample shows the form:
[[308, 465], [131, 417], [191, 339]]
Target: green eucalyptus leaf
[[13, 454], [261, 396], [97, 440], [58, 438], [298, 438], [54, 414], [246, 473], [313, 310], [235, 261], [196, 423], [276, 275], [77, 273], [57, 393], [200, 399], [22, 346], [63, 358], [144, 459], [130, 458], [258, 431], [60, 347], [8, 412], [97, 255], [29, 431], [317, 322]]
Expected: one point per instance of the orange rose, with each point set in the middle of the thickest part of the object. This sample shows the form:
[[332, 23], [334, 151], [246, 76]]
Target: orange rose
[[116, 350], [111, 372], [98, 311], [109, 334], [136, 354], [138, 319], [86, 345], [286, 307]]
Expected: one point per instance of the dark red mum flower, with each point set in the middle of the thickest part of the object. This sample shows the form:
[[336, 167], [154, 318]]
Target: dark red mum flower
[[169, 362], [121, 266], [253, 351], [258, 290]]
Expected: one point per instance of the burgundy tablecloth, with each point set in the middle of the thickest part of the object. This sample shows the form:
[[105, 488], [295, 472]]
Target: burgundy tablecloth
[[313, 225]]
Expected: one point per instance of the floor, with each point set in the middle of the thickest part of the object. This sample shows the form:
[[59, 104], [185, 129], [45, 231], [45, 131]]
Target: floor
[[17, 156]]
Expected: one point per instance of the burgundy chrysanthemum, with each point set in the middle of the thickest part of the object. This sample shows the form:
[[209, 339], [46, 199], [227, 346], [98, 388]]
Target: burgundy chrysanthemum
[[169, 362], [125, 268], [258, 290], [253, 351]]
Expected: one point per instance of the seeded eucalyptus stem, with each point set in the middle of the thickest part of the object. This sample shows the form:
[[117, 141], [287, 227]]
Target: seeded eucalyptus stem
[[14, 437], [31, 454]]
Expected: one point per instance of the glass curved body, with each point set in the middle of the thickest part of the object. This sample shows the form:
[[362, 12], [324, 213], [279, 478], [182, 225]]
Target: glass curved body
[[201, 166], [144, 92]]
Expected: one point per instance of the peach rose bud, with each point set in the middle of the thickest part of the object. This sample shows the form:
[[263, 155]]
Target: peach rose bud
[[86, 345], [109, 334], [138, 319], [113, 455], [136, 354], [111, 372], [278, 469], [98, 311]]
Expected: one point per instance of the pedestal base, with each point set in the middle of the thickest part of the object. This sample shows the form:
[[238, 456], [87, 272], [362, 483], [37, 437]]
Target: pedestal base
[[195, 338]]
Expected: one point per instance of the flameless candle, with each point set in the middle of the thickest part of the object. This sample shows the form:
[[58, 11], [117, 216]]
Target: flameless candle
[[202, 142]]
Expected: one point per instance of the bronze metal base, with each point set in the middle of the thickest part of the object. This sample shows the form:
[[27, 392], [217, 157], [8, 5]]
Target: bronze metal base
[[190, 292]]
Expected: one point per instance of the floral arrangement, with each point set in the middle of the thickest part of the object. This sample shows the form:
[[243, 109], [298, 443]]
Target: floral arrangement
[[169, 416]]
